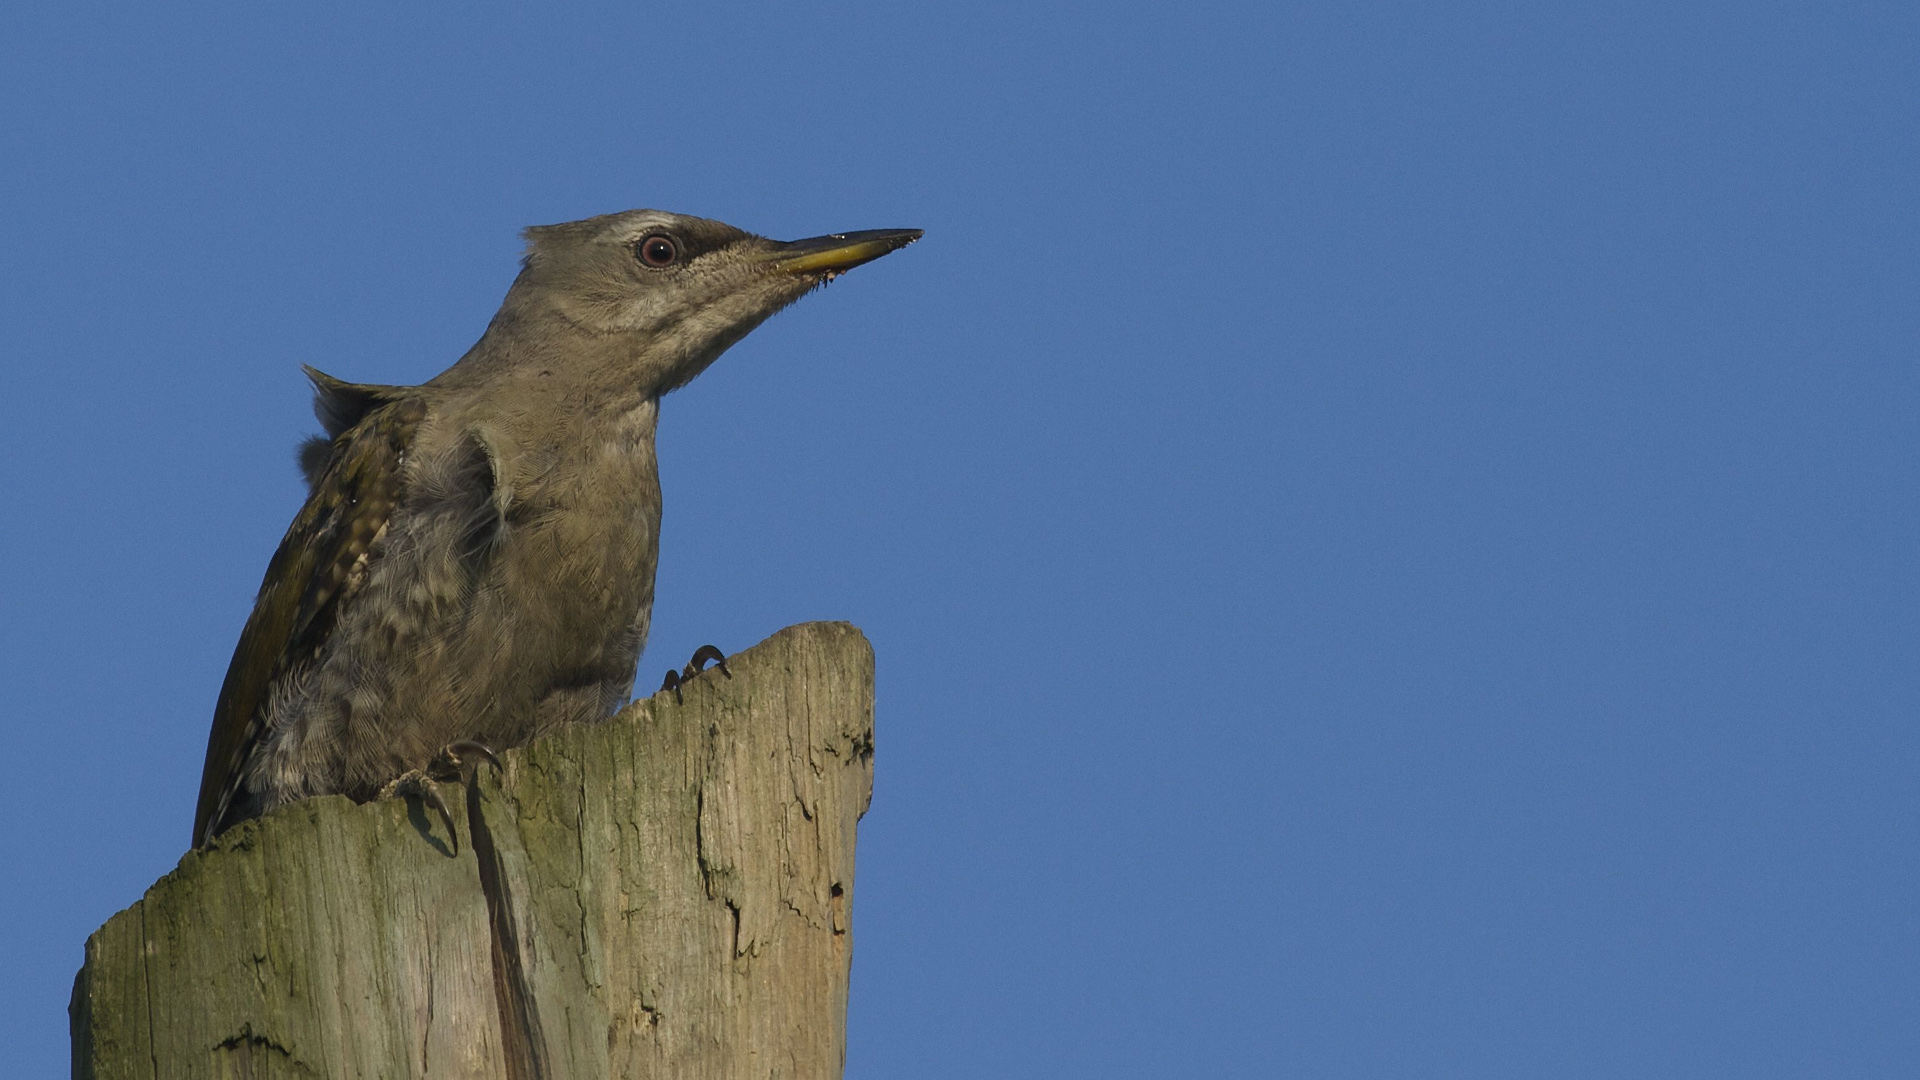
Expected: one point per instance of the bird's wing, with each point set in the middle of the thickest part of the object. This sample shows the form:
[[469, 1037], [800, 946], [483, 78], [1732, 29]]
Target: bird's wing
[[320, 562]]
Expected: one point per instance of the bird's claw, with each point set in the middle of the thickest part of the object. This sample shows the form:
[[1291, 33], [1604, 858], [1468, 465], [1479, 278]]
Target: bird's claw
[[449, 763], [702, 656], [419, 782], [469, 746], [706, 653]]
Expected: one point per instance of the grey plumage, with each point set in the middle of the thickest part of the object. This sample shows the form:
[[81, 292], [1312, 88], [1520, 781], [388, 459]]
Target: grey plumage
[[476, 556]]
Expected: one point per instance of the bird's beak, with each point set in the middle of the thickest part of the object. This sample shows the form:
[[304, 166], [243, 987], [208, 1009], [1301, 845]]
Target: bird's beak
[[839, 252]]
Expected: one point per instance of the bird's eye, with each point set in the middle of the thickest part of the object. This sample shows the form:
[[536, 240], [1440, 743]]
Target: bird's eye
[[659, 250]]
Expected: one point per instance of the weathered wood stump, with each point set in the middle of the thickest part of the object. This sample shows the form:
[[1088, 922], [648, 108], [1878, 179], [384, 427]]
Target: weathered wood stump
[[667, 894]]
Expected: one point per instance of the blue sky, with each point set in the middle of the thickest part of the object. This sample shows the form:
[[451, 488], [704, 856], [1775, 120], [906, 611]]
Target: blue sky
[[1388, 529]]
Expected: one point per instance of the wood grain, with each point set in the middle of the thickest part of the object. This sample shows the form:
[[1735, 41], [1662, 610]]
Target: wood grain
[[679, 883]]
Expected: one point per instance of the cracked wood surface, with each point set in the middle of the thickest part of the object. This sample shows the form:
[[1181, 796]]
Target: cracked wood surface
[[681, 881]]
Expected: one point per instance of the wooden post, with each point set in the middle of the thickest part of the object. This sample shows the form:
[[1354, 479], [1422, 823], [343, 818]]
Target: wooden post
[[667, 894]]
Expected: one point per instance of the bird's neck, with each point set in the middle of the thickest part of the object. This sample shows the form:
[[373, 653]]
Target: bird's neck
[[533, 355]]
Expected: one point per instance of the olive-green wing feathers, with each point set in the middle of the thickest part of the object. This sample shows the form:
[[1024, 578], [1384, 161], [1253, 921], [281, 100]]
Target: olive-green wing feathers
[[321, 561]]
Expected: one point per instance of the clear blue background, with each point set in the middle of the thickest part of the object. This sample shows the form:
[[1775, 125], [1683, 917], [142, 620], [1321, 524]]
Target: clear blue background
[[1389, 529]]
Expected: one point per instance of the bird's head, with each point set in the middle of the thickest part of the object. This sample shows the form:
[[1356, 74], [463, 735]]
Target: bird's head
[[681, 289]]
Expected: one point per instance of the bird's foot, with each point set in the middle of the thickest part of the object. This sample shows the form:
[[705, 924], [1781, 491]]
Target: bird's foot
[[701, 657], [420, 784], [452, 762], [704, 655], [468, 752]]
